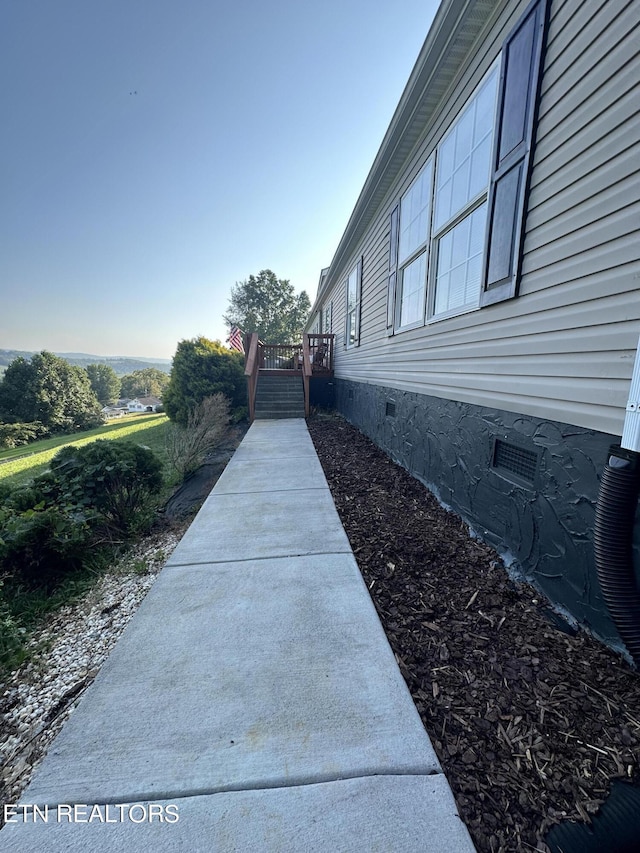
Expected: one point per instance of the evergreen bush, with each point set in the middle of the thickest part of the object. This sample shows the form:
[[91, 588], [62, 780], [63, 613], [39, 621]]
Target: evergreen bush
[[115, 479], [40, 546], [93, 495], [16, 435]]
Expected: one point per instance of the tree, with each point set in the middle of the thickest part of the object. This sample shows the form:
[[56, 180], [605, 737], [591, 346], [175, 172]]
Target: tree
[[149, 382], [200, 369], [268, 305], [104, 381], [49, 390]]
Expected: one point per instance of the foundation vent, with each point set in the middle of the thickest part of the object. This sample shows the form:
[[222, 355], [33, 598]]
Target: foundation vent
[[390, 410], [518, 461]]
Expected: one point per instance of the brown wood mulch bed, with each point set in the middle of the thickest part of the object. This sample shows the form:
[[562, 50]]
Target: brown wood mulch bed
[[530, 724]]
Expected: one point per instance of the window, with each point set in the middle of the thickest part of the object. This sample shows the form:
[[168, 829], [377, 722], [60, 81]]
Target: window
[[327, 318], [464, 155], [460, 209], [454, 183], [414, 223], [456, 234], [353, 287]]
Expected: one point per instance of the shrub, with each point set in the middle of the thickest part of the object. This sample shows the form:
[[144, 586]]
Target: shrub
[[16, 435], [115, 479], [92, 494], [41, 491], [187, 446], [202, 368], [39, 546], [11, 635]]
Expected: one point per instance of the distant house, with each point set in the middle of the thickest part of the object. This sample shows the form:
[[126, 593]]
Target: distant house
[[113, 411], [485, 294], [144, 404]]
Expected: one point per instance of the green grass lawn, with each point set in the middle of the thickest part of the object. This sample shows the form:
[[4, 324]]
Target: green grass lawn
[[21, 464]]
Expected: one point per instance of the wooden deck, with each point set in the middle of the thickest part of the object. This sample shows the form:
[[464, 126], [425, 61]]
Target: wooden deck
[[312, 357]]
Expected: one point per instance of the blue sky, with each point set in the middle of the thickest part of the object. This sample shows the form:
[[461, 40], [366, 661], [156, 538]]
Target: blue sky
[[126, 218]]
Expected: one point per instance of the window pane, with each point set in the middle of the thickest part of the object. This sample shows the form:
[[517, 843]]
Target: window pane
[[352, 290], [413, 288], [326, 321], [485, 106], [351, 327], [479, 165], [464, 155], [460, 195], [459, 270], [415, 209], [443, 201], [463, 133]]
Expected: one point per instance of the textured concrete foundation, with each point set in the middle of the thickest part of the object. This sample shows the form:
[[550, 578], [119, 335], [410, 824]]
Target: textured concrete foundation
[[525, 485]]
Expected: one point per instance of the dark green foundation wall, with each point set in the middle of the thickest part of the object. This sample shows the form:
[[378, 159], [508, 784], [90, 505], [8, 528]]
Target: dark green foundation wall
[[322, 392], [546, 529]]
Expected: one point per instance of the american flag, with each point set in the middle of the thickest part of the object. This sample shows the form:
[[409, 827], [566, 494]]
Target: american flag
[[235, 339]]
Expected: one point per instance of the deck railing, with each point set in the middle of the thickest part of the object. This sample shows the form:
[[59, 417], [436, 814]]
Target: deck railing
[[321, 352], [280, 356], [251, 367], [314, 357]]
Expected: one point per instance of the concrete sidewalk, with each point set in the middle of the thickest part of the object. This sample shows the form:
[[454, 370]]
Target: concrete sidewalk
[[254, 691]]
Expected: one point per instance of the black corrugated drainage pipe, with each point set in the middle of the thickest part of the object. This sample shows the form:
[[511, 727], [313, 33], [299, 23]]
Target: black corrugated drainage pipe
[[613, 537]]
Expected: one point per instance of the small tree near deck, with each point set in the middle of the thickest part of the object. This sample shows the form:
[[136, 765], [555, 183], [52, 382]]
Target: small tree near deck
[[188, 446], [268, 305]]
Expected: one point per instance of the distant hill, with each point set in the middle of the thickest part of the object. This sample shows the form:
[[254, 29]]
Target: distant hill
[[122, 365]]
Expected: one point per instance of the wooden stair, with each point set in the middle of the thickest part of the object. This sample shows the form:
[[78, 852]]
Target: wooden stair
[[279, 396]]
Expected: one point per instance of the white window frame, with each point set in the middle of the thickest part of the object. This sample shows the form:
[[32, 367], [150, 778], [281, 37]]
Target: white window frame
[[415, 252], [432, 239], [465, 212]]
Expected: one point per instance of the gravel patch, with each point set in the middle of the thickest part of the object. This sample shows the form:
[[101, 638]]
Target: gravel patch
[[65, 655]]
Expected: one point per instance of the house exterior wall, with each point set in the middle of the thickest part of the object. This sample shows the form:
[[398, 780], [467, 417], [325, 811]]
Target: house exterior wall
[[563, 349], [552, 366]]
